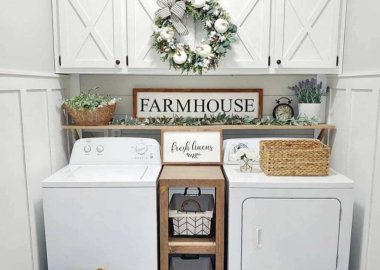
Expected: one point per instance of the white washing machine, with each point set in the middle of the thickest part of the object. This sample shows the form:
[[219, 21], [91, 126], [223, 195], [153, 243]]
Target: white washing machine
[[287, 223], [100, 210]]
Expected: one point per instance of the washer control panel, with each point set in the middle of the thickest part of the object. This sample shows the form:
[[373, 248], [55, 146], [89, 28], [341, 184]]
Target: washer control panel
[[87, 149], [116, 151], [141, 148], [100, 148]]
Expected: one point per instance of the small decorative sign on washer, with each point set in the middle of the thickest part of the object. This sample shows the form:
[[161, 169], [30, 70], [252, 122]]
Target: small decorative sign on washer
[[191, 147]]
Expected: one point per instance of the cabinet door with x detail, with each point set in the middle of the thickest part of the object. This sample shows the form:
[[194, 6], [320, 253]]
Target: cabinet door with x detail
[[251, 49], [307, 33], [90, 33], [140, 19]]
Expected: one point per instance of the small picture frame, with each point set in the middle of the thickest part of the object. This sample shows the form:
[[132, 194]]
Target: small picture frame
[[191, 147]]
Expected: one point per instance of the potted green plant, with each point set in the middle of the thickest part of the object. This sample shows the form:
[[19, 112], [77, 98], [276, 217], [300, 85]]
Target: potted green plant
[[90, 109], [309, 94]]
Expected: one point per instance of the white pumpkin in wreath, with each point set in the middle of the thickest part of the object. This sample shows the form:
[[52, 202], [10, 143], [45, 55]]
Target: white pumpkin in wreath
[[167, 33], [199, 3], [204, 50], [180, 56], [221, 26]]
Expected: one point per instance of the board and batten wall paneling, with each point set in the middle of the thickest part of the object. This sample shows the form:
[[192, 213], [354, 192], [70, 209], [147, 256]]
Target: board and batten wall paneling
[[15, 249], [26, 36], [354, 109], [361, 44], [33, 146], [122, 86], [374, 243]]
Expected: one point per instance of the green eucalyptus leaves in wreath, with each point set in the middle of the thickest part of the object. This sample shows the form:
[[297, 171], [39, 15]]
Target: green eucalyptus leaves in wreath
[[219, 34]]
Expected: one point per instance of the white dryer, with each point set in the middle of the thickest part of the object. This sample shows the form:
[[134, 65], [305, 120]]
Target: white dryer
[[287, 223], [100, 211]]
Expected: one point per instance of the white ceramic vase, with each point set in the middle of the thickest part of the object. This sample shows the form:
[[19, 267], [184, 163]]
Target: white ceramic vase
[[310, 110]]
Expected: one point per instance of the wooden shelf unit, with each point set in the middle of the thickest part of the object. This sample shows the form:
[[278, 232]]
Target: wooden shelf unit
[[209, 127], [191, 176], [323, 128]]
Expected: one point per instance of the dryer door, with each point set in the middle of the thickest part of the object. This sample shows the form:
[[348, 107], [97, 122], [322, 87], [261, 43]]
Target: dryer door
[[290, 234]]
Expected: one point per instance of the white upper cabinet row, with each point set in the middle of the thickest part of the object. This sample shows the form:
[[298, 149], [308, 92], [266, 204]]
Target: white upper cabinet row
[[274, 36]]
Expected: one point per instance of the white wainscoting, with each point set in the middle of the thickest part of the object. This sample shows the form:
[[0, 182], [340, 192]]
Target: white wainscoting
[[33, 146], [354, 108]]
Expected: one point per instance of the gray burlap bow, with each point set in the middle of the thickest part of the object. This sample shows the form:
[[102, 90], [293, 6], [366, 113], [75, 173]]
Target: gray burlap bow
[[175, 10]]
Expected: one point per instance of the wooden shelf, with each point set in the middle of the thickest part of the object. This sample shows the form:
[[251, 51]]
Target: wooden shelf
[[189, 173], [191, 176], [190, 242], [323, 128], [191, 245], [210, 127]]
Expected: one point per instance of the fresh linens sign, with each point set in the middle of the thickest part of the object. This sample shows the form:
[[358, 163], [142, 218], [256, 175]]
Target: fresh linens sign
[[197, 103], [191, 147]]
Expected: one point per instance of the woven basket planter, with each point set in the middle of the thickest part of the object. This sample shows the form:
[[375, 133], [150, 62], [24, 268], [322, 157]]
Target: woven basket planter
[[99, 117], [294, 158]]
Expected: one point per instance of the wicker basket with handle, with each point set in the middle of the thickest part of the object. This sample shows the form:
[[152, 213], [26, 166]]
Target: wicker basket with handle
[[98, 117], [294, 157]]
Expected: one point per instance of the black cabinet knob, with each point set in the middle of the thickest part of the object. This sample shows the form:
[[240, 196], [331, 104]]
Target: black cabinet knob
[[278, 62], [117, 62]]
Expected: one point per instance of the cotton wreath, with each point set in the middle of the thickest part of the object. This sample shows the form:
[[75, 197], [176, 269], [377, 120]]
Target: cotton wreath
[[219, 34]]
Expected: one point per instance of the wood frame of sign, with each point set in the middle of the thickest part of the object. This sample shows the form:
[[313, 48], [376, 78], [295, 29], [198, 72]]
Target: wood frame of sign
[[195, 147], [253, 102]]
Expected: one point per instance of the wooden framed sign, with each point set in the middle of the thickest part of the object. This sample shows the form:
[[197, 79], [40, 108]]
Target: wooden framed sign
[[196, 103], [191, 147]]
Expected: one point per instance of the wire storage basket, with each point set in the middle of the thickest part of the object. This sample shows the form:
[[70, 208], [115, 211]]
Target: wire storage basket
[[294, 157], [191, 214], [98, 117], [190, 262]]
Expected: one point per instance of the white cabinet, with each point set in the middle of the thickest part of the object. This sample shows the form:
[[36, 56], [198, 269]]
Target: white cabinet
[[90, 34], [250, 51], [307, 34], [274, 36], [252, 18], [140, 19], [290, 234]]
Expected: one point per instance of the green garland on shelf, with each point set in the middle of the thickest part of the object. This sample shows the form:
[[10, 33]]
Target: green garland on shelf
[[219, 119]]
